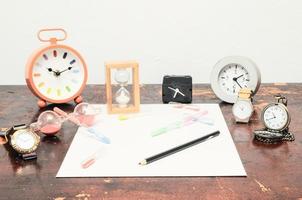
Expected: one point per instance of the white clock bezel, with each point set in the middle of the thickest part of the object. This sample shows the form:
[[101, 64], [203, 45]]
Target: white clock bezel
[[248, 64]]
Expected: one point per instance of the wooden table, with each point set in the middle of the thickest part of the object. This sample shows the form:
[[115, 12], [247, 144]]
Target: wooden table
[[274, 171]]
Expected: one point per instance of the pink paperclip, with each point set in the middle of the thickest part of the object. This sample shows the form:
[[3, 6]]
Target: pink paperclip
[[188, 107]]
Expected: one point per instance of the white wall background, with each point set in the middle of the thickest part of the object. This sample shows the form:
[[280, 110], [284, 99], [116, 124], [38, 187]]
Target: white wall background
[[165, 36]]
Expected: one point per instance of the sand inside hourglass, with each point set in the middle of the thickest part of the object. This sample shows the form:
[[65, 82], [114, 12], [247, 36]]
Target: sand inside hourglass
[[122, 95]]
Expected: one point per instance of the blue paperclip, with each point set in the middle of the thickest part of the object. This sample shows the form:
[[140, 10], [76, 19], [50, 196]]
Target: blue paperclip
[[98, 135]]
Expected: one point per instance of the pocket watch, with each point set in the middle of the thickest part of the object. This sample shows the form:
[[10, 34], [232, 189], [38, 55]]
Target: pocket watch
[[276, 119], [243, 108], [233, 73], [24, 141], [56, 73], [177, 89], [275, 116]]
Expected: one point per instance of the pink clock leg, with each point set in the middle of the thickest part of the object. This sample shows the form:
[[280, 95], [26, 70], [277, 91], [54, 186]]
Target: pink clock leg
[[79, 99], [42, 103]]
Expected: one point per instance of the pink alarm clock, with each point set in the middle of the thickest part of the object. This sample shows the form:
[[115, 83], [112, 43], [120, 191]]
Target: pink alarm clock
[[56, 73]]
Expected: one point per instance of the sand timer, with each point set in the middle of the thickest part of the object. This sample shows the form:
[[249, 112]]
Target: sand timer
[[122, 95], [122, 87], [50, 122]]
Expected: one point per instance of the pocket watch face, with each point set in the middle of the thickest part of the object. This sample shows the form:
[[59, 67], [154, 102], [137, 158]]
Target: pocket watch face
[[24, 141], [58, 74], [233, 73], [242, 109], [275, 117]]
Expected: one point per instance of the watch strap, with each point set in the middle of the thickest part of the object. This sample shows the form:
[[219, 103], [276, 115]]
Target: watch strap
[[245, 93], [29, 156], [19, 127]]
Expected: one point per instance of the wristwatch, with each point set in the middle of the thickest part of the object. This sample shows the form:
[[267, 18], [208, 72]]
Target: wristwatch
[[23, 141], [177, 89], [243, 107]]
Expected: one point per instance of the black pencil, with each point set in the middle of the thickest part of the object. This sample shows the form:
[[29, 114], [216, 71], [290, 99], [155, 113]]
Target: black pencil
[[179, 148]]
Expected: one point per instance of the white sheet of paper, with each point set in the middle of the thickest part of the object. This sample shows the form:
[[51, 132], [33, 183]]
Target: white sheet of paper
[[131, 142]]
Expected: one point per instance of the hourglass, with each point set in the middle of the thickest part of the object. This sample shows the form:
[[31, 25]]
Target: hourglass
[[122, 95], [50, 122], [122, 87]]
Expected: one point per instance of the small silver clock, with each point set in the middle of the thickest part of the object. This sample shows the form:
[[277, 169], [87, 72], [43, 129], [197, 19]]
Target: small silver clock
[[232, 73]]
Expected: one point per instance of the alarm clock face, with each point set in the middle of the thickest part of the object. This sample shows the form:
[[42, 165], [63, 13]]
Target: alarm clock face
[[276, 117], [177, 89], [232, 78], [58, 74], [233, 73]]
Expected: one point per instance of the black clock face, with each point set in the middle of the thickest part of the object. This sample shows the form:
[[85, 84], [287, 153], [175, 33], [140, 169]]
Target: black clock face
[[177, 89]]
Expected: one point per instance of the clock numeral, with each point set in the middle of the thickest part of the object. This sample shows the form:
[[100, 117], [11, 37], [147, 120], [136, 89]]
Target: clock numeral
[[68, 88], [45, 57], [54, 53], [73, 61], [64, 55], [48, 90], [41, 84]]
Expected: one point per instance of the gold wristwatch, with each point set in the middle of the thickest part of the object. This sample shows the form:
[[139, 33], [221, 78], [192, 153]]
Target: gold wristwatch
[[243, 107], [24, 141]]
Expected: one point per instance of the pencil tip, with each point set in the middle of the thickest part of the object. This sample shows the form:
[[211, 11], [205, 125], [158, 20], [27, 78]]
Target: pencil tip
[[144, 162]]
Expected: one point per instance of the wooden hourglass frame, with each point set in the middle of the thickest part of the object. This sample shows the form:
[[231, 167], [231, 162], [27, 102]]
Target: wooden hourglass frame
[[114, 108]]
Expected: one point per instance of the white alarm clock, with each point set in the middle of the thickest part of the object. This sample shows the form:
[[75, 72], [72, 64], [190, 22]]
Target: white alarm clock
[[233, 73], [56, 73]]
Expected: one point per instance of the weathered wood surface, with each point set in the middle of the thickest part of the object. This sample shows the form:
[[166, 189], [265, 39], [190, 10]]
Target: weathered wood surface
[[274, 171]]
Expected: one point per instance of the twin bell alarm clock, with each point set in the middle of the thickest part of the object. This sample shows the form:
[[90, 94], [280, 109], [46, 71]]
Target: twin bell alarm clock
[[56, 73]]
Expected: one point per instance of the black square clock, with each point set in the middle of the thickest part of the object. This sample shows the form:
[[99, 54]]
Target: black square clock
[[177, 89]]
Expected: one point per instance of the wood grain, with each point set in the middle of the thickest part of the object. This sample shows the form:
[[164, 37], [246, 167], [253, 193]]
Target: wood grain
[[274, 171]]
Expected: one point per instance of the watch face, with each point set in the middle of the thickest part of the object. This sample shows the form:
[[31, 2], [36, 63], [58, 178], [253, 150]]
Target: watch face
[[232, 78], [275, 117], [233, 73], [242, 109], [24, 140], [58, 74]]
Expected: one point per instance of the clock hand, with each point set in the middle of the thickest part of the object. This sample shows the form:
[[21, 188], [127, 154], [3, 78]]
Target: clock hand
[[172, 89], [271, 118], [69, 68], [180, 92], [175, 93], [56, 73], [239, 76], [235, 79]]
